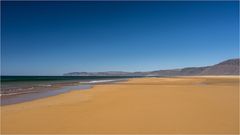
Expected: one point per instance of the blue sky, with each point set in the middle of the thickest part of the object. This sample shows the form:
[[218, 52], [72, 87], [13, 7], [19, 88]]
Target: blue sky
[[52, 38]]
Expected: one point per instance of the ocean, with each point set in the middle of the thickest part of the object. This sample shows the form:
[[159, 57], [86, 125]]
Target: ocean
[[16, 89]]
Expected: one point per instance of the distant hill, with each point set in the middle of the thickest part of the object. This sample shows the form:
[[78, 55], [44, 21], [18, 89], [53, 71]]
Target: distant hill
[[228, 67]]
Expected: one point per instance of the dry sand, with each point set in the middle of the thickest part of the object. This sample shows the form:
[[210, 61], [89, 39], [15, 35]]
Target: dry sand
[[145, 105]]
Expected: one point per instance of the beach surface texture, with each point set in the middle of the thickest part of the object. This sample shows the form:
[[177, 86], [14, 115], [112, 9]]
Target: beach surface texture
[[184, 105]]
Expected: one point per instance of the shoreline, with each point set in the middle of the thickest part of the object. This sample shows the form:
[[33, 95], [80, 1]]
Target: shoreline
[[163, 106], [27, 96]]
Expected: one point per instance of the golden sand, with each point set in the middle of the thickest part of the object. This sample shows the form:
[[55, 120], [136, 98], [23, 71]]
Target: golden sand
[[145, 105]]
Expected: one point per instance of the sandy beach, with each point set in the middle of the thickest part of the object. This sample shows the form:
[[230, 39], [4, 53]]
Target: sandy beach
[[184, 105]]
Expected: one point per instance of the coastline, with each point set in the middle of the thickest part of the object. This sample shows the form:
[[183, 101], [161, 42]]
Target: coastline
[[64, 87], [59, 88], [35, 95], [140, 105]]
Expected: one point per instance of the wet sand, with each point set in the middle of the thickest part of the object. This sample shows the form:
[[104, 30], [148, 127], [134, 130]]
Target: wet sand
[[184, 105], [29, 96]]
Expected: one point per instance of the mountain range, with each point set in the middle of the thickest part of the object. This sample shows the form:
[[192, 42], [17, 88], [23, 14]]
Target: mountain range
[[228, 67]]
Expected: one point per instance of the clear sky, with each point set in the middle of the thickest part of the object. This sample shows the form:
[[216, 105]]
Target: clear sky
[[52, 38]]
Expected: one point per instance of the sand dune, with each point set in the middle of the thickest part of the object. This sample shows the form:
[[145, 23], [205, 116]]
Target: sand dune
[[145, 105]]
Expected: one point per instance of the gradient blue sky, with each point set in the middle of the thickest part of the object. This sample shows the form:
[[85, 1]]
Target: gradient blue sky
[[52, 38]]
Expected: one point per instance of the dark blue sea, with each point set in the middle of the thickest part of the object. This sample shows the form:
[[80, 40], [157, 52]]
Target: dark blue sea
[[16, 89]]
